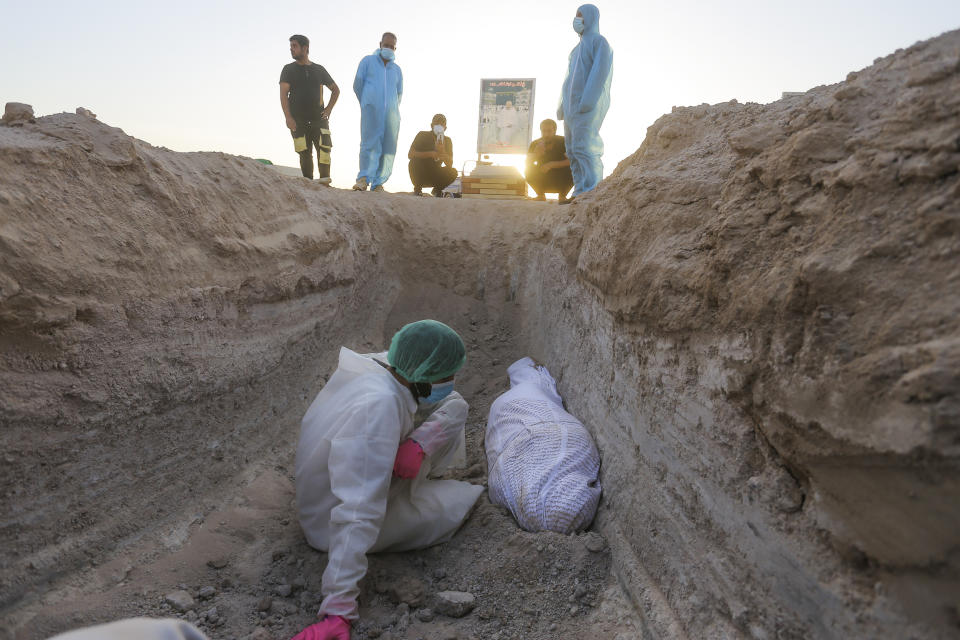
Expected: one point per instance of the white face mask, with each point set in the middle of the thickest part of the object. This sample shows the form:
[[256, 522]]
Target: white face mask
[[438, 129]]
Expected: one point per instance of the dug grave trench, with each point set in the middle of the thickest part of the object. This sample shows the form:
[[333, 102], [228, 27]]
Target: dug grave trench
[[756, 316]]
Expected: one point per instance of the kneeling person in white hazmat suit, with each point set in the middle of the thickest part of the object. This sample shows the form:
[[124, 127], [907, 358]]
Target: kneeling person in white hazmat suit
[[362, 466], [543, 464]]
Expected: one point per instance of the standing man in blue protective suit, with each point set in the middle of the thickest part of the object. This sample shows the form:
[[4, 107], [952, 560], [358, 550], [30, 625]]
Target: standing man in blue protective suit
[[379, 88], [585, 99]]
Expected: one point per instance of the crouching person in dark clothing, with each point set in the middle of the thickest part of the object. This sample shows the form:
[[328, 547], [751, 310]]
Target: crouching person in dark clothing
[[548, 168], [431, 158]]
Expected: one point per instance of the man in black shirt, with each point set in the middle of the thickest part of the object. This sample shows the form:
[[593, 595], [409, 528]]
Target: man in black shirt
[[548, 168], [301, 97], [431, 158]]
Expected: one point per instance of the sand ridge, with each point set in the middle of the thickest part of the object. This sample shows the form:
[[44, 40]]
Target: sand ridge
[[756, 315]]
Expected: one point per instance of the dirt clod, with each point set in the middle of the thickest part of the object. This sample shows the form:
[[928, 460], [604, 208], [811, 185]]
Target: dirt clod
[[454, 604], [594, 542], [17, 113], [404, 590], [180, 600]]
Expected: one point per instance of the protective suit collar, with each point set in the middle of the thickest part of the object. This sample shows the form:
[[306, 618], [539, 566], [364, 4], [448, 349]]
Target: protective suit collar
[[365, 363], [376, 52], [591, 18]]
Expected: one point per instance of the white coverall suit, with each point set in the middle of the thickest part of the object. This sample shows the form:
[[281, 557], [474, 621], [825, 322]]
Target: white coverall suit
[[349, 503], [137, 629]]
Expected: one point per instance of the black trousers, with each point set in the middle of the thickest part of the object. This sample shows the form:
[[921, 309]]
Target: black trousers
[[559, 180], [430, 173], [317, 133]]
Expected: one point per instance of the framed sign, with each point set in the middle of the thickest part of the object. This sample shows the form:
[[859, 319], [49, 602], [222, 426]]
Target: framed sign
[[506, 115]]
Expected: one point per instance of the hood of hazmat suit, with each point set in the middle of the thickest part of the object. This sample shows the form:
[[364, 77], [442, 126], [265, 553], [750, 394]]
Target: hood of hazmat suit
[[379, 88], [584, 101], [543, 464], [348, 501]]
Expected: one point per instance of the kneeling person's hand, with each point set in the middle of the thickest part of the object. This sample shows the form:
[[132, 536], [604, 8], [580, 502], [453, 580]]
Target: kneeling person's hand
[[410, 456], [330, 628]]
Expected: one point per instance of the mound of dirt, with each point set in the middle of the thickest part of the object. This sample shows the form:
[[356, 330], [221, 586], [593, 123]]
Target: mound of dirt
[[774, 355], [757, 315]]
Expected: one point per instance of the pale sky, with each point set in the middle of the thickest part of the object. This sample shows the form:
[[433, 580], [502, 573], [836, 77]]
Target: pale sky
[[203, 76]]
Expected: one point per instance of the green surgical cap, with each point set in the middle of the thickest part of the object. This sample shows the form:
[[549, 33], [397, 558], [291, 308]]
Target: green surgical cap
[[426, 351]]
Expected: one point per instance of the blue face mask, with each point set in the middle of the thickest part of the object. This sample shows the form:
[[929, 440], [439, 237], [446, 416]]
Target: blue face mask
[[387, 54], [438, 392], [578, 25]]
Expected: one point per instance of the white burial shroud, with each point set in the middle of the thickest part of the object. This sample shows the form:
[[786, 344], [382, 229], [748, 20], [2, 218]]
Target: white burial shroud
[[543, 464]]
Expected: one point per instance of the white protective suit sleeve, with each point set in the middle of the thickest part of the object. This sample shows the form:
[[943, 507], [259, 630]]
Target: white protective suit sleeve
[[444, 424], [361, 466], [137, 629]]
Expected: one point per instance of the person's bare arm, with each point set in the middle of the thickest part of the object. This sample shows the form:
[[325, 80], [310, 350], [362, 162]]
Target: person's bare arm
[[421, 155], [285, 105], [447, 155], [556, 164], [430, 155], [334, 96]]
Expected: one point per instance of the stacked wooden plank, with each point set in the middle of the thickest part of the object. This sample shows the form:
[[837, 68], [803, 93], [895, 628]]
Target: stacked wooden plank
[[496, 183]]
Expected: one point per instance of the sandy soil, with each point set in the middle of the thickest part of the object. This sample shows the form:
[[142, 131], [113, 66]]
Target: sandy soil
[[239, 552], [757, 316], [200, 315]]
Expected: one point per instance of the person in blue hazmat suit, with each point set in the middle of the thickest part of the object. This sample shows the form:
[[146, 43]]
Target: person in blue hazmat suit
[[364, 464], [379, 88], [585, 99]]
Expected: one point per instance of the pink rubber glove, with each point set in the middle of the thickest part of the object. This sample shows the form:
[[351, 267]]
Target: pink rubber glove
[[410, 456], [330, 628]]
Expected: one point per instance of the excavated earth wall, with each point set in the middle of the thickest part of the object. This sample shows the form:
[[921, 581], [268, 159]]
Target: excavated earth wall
[[764, 327], [757, 315]]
